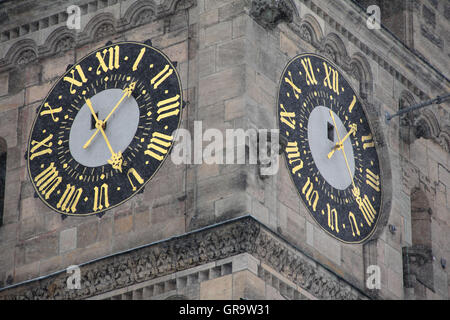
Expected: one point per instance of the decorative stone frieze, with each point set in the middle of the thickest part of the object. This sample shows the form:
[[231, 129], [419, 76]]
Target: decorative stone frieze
[[242, 235]]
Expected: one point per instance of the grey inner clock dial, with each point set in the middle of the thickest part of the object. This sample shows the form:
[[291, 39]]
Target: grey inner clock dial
[[120, 128], [322, 138]]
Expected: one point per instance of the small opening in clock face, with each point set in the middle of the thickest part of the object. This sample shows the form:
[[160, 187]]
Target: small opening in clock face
[[105, 125], [330, 132]]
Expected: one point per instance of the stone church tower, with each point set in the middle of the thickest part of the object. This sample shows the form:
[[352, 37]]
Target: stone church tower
[[211, 231]]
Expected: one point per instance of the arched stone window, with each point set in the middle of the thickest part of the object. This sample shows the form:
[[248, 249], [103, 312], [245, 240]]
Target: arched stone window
[[2, 178], [418, 259]]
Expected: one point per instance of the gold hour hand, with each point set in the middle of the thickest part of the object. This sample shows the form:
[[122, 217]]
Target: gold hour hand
[[116, 158], [340, 144]]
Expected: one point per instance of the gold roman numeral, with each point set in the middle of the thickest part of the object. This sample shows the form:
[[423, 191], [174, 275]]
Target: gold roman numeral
[[48, 180], [160, 77], [159, 144], [101, 199], [332, 83], [352, 104], [73, 81], [51, 112], [367, 209], [136, 175], [373, 180], [367, 142], [310, 77], [296, 90], [311, 195], [294, 156], [353, 224], [38, 144], [287, 118], [138, 59], [165, 107], [113, 59], [332, 218], [69, 199]]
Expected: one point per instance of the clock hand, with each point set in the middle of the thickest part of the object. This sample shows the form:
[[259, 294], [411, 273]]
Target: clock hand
[[364, 206], [116, 158], [340, 144], [127, 93], [342, 148]]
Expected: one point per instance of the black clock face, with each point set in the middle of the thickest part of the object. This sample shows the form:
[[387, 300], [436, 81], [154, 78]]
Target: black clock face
[[330, 153], [104, 129]]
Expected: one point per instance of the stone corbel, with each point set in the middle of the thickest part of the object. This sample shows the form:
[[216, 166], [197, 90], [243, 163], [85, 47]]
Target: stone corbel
[[418, 266], [269, 13]]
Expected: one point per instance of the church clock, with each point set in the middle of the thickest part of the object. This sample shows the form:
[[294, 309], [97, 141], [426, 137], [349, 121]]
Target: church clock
[[331, 153], [104, 129]]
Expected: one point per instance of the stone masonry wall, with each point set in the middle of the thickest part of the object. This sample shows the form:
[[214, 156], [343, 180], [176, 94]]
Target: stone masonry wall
[[34, 241], [230, 62]]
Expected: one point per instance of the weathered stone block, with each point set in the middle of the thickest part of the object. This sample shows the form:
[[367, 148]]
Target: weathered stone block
[[142, 218], [327, 246], [26, 272], [67, 240], [42, 247], [123, 222], [208, 18], [393, 259], [247, 285], [87, 234], [12, 102], [221, 86], [217, 289], [231, 10], [232, 206], [207, 61], [231, 53], [217, 33], [38, 92], [260, 212], [4, 84]]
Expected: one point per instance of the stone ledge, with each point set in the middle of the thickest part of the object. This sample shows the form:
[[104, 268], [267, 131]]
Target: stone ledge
[[198, 248]]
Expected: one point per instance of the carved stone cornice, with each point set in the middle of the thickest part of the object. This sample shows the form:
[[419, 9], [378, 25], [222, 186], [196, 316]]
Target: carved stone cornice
[[100, 26], [241, 235]]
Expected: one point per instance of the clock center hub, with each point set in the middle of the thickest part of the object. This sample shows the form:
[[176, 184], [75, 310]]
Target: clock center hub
[[120, 128], [322, 138]]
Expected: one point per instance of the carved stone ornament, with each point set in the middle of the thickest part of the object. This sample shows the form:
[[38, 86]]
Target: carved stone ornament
[[144, 17], [306, 34], [103, 31], [65, 44], [418, 265], [26, 57], [217, 242], [269, 13]]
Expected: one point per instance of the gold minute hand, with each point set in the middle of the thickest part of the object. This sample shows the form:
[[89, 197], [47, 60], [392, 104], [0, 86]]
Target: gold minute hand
[[343, 151], [127, 93]]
